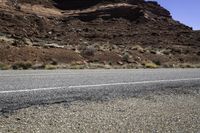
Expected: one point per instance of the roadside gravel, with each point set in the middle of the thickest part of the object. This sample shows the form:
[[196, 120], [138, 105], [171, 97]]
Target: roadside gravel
[[152, 113]]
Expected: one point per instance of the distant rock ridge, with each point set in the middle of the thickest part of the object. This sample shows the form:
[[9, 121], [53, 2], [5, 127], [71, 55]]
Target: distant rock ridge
[[150, 6], [82, 4]]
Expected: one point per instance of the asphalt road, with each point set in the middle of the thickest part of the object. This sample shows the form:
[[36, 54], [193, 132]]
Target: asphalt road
[[20, 89]]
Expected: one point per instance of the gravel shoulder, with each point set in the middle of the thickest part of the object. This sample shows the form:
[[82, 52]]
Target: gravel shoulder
[[150, 113]]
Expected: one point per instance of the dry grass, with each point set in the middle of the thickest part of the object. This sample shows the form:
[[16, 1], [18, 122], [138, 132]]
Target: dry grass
[[4, 66], [50, 67], [150, 65]]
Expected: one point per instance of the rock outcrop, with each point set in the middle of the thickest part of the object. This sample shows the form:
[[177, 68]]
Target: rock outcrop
[[107, 25]]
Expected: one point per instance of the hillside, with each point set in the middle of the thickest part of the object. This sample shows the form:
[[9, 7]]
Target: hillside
[[94, 34]]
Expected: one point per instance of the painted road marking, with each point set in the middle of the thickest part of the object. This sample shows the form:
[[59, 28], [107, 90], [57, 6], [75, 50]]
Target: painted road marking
[[31, 90], [98, 85], [133, 83]]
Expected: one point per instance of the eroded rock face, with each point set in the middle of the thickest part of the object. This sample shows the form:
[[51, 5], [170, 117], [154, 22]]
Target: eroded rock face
[[83, 4], [155, 8], [126, 11], [75, 4], [144, 17]]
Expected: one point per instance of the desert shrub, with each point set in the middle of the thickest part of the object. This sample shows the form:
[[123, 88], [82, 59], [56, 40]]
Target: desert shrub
[[157, 62], [153, 51], [38, 66], [50, 67], [150, 65], [77, 67], [21, 65], [177, 50], [167, 52], [18, 43], [88, 51], [4, 66], [99, 66], [138, 48], [54, 62], [125, 57]]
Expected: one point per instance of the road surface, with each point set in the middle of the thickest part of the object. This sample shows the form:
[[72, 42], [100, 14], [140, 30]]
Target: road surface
[[19, 89]]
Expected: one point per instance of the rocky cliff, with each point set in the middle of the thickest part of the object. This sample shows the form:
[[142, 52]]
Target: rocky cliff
[[122, 33]]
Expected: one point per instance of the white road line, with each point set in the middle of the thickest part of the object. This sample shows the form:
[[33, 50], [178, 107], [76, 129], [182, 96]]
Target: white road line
[[98, 85], [133, 83], [31, 90]]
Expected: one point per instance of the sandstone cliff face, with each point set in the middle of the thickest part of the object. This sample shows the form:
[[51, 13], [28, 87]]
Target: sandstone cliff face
[[107, 25]]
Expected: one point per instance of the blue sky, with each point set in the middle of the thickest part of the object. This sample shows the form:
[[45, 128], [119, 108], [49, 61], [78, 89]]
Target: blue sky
[[185, 11]]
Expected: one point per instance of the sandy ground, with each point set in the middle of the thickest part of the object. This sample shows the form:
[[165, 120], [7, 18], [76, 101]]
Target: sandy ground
[[164, 113]]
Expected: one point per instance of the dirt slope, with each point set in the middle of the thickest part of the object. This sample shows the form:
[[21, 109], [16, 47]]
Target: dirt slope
[[127, 34]]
